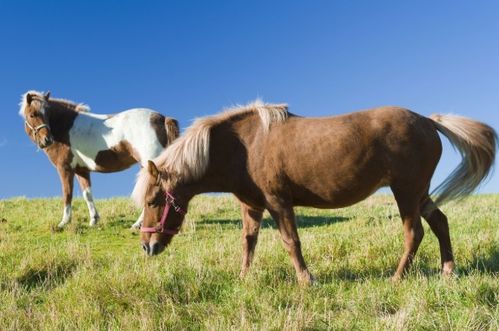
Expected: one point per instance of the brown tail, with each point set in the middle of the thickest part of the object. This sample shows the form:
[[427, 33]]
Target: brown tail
[[172, 130], [476, 142]]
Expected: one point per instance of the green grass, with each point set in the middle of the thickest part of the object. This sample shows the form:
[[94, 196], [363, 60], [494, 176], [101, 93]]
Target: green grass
[[98, 278]]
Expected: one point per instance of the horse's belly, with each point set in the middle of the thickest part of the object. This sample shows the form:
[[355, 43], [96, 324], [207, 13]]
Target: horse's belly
[[336, 186], [336, 197], [81, 160], [116, 158]]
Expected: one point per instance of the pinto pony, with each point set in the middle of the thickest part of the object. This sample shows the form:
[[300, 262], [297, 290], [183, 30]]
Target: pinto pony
[[271, 159], [78, 142]]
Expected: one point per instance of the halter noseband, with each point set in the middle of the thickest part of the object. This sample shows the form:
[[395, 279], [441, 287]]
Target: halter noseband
[[34, 130], [161, 227]]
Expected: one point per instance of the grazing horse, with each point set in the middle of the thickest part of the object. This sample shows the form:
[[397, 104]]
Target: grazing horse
[[78, 142], [271, 159]]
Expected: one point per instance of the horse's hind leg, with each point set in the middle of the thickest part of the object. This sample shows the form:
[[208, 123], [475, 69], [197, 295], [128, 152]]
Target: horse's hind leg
[[440, 227], [251, 225], [284, 216], [408, 205], [85, 184], [67, 177]]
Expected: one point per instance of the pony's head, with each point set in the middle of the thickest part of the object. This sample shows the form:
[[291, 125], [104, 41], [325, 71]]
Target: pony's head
[[164, 209], [33, 105]]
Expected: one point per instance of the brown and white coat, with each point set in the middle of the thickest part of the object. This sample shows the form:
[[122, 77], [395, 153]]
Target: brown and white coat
[[78, 142]]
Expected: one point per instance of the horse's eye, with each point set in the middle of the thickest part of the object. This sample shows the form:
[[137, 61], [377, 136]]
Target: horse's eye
[[151, 204], [32, 115]]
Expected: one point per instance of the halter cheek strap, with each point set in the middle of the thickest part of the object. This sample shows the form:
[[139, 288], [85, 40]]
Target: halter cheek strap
[[161, 228], [34, 130]]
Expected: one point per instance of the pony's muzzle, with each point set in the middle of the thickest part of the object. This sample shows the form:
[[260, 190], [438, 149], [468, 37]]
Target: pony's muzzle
[[153, 249], [46, 142]]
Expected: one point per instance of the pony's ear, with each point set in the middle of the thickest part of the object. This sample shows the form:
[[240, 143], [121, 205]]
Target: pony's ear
[[29, 98], [47, 96], [153, 170]]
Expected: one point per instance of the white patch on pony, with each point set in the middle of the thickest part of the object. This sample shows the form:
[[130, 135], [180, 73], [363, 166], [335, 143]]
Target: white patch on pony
[[66, 217], [92, 133], [94, 215], [81, 107]]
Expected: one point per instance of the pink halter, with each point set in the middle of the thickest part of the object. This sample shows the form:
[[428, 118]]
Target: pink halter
[[161, 227]]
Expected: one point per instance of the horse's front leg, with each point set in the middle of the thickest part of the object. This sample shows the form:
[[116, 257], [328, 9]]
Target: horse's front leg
[[67, 177], [86, 189], [251, 225], [284, 216]]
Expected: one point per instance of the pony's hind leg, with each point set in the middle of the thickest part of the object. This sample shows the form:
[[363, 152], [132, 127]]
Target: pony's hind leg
[[284, 216], [85, 184], [408, 205], [67, 177], [440, 227], [251, 225]]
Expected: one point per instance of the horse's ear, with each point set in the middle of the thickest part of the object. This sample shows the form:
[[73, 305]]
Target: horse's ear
[[153, 170], [47, 96], [29, 98]]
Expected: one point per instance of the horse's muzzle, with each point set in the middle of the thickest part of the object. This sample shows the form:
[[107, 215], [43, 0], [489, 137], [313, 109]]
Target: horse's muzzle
[[153, 249], [46, 142]]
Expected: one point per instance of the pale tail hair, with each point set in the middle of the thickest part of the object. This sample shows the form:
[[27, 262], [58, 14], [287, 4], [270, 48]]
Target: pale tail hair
[[476, 142]]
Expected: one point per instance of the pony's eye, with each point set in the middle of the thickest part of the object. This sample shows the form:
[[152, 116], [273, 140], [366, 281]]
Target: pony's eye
[[32, 115]]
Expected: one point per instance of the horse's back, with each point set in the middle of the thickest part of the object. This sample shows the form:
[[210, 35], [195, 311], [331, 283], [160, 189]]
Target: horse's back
[[340, 160], [128, 136]]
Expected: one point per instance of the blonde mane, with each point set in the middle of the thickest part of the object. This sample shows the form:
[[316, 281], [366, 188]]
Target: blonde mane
[[188, 157], [39, 97]]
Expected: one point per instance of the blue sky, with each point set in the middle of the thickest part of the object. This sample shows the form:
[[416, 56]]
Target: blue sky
[[193, 58]]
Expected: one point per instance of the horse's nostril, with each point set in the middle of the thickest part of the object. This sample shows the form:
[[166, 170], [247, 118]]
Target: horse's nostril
[[145, 247]]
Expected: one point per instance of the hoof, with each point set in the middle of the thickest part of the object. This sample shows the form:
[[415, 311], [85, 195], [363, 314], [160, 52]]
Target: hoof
[[62, 225], [243, 273], [395, 279], [94, 220], [448, 269], [306, 279]]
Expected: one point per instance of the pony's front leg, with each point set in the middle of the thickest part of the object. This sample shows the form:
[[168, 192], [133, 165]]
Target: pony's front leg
[[67, 177], [138, 223], [285, 219], [251, 225], [86, 189]]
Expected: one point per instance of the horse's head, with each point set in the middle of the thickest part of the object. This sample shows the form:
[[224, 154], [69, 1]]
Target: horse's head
[[163, 213], [35, 118]]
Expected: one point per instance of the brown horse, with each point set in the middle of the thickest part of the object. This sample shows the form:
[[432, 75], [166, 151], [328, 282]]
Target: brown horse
[[78, 142], [273, 160]]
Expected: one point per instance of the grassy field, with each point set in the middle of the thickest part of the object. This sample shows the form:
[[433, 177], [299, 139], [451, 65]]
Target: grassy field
[[98, 278]]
